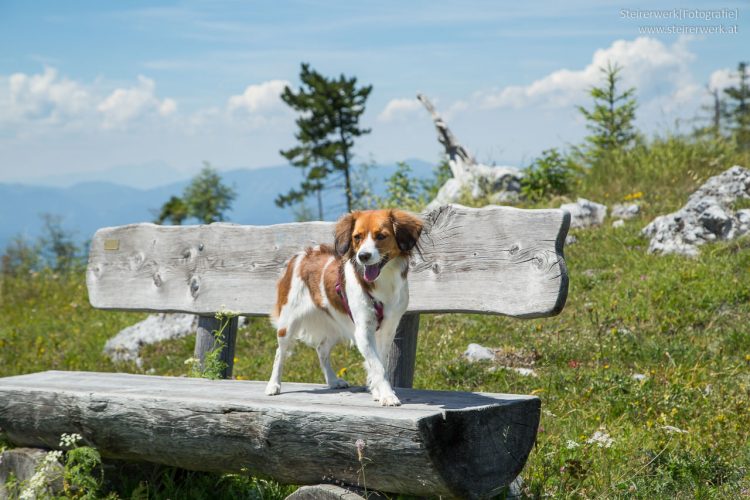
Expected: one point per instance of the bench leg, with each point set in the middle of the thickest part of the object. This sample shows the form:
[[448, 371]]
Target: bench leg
[[404, 352], [205, 341]]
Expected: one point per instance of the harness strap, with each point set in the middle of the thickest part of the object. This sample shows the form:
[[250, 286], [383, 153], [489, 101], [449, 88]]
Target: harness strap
[[375, 303]]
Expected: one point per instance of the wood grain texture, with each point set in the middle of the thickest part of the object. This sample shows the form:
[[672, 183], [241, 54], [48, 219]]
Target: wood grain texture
[[453, 444], [495, 260]]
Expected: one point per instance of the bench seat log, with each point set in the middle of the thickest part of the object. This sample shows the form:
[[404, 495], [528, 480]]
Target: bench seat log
[[450, 444], [494, 260]]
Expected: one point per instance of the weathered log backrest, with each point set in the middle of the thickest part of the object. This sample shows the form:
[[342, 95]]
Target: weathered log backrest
[[494, 260]]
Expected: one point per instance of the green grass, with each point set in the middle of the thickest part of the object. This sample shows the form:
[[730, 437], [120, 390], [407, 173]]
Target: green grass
[[679, 322]]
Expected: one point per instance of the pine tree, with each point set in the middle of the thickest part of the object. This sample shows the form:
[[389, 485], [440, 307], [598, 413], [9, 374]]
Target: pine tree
[[206, 198], [738, 107], [611, 118], [326, 127]]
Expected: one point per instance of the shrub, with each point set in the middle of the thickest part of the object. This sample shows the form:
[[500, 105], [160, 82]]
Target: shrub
[[550, 174]]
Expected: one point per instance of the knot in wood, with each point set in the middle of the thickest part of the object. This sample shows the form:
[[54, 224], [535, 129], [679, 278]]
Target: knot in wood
[[538, 261], [194, 286], [200, 247], [157, 280], [136, 260], [514, 248]]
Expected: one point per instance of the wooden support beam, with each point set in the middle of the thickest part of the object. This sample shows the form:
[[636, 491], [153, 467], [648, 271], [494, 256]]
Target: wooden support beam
[[404, 352], [205, 341], [449, 444]]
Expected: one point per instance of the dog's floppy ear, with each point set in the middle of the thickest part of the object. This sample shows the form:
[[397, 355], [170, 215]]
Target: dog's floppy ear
[[407, 228], [343, 234]]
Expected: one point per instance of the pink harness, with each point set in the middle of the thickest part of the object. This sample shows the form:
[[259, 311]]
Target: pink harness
[[375, 303]]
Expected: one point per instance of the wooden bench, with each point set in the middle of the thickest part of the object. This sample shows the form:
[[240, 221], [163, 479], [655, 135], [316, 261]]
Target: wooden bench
[[496, 260]]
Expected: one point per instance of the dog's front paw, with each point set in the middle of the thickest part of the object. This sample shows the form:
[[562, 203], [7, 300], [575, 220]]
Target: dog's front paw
[[390, 400], [339, 383], [375, 393], [273, 389]]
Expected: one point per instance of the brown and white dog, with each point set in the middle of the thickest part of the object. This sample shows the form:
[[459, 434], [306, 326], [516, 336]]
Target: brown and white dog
[[355, 291]]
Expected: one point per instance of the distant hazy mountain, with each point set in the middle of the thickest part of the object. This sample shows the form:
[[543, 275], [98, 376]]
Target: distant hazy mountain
[[87, 206], [142, 176]]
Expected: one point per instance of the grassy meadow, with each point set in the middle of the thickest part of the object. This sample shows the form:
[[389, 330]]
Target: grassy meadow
[[644, 377]]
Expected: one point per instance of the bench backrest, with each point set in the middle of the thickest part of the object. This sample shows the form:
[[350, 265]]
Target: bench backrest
[[494, 260]]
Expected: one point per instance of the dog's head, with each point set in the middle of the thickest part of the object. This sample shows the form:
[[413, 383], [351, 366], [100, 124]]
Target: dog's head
[[371, 238]]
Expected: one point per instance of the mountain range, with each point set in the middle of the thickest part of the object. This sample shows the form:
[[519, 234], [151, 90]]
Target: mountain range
[[88, 205]]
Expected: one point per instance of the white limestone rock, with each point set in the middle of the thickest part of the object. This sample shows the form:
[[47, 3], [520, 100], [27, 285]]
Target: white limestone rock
[[707, 216], [477, 352], [625, 212], [126, 345], [23, 464], [499, 184], [585, 213]]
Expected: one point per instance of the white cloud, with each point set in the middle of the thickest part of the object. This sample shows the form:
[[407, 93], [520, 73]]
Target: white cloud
[[725, 77], [399, 109], [124, 105], [167, 107], [648, 64], [41, 97], [258, 98]]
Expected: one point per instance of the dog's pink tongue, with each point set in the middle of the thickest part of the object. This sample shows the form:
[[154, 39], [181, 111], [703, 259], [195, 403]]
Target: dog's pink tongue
[[372, 272]]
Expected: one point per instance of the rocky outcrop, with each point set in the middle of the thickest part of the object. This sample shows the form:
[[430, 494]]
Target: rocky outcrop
[[709, 215], [496, 184]]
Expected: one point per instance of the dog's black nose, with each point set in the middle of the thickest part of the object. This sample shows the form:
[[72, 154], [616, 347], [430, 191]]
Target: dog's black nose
[[364, 256]]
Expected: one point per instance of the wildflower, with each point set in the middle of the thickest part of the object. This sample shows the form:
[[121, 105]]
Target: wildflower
[[360, 444], [69, 440], [601, 439], [342, 372], [35, 488], [52, 457], [639, 377], [192, 361], [633, 196], [224, 313], [573, 363], [571, 445]]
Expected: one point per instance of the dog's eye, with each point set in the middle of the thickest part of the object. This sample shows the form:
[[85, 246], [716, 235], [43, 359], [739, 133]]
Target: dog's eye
[[380, 236], [357, 237]]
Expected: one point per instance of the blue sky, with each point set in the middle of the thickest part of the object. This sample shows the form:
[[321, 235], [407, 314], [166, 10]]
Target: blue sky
[[87, 86]]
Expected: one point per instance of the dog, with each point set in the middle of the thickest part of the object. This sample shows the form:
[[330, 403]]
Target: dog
[[354, 291]]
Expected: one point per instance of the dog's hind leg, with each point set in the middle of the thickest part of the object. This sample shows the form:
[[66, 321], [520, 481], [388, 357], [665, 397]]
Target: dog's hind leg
[[324, 356], [285, 337]]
